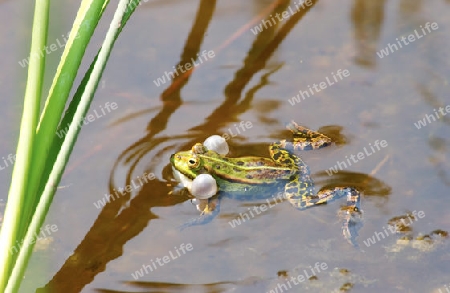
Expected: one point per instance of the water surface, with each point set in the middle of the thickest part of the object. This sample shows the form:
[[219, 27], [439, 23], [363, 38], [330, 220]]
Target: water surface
[[250, 78]]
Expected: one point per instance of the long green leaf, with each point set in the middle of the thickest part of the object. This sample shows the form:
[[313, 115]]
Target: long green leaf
[[83, 28], [17, 193], [68, 115], [66, 148]]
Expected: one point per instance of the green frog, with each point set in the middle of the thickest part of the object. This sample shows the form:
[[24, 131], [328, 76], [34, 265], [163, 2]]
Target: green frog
[[248, 178]]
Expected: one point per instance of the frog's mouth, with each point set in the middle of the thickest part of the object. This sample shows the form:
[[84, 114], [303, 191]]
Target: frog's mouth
[[183, 179], [172, 160]]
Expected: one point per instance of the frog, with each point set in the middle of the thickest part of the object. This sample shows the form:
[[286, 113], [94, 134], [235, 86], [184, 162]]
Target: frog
[[251, 177]]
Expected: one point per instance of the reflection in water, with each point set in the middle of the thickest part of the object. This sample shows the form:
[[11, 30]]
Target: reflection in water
[[367, 184], [115, 224], [411, 12], [251, 284], [367, 18], [432, 89], [124, 218]]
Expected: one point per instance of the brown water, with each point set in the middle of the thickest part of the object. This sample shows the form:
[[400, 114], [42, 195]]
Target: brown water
[[250, 78]]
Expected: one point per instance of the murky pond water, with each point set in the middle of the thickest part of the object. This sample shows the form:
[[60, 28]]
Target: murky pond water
[[373, 75]]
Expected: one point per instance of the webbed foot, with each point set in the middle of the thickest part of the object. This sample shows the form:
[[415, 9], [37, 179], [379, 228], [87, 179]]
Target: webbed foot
[[351, 214]]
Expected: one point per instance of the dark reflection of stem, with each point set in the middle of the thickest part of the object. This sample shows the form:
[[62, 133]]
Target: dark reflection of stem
[[257, 57], [105, 241], [111, 230], [217, 287], [171, 95], [367, 17], [116, 224], [262, 49], [191, 48]]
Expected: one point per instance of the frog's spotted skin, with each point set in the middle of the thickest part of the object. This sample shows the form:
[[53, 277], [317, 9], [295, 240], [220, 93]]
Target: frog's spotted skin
[[250, 177]]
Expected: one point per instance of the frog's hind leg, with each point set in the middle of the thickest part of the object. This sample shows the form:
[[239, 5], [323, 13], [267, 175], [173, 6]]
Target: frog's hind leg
[[351, 213], [300, 193], [210, 208], [306, 139]]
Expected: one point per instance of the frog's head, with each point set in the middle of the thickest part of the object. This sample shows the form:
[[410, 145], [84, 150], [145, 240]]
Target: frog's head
[[189, 169], [187, 163]]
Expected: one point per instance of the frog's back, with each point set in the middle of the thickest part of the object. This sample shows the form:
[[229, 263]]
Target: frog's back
[[250, 170]]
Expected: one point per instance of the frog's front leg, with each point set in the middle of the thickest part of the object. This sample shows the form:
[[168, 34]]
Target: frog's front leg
[[209, 208], [306, 139]]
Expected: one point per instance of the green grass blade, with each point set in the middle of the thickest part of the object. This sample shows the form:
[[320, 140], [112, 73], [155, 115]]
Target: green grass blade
[[68, 115], [66, 148], [83, 28], [17, 197]]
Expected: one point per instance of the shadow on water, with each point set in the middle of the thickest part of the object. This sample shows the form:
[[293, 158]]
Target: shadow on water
[[127, 215], [160, 287], [367, 17], [438, 142], [365, 183]]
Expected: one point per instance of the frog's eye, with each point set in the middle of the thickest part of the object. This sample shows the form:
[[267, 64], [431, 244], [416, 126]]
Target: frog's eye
[[193, 162]]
